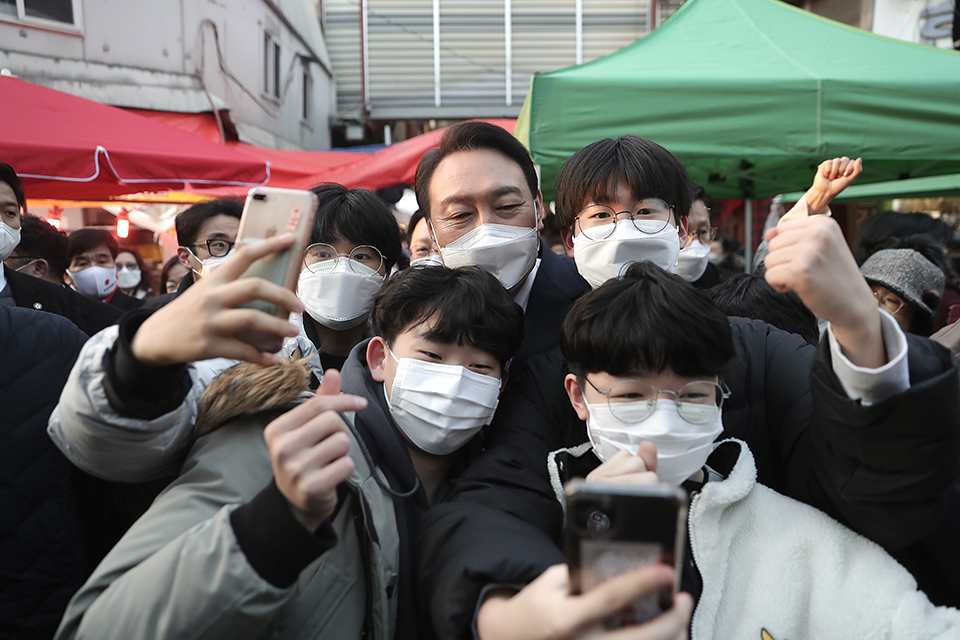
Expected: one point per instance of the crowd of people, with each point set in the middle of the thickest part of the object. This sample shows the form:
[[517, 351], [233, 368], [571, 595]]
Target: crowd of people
[[389, 461]]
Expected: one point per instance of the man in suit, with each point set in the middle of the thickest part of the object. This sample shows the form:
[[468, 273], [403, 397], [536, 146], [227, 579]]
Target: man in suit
[[20, 290], [479, 192], [93, 268]]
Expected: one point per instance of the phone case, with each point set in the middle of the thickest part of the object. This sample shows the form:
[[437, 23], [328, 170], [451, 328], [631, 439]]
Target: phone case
[[268, 212], [612, 529]]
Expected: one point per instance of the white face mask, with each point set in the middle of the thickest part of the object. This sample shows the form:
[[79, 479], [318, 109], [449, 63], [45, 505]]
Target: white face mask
[[602, 260], [506, 251], [9, 239], [209, 265], [430, 260], [128, 277], [439, 407], [692, 261], [337, 296], [682, 447], [95, 282], [715, 258]]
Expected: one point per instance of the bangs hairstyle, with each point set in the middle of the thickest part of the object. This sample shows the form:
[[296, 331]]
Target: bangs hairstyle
[[358, 216], [190, 220], [647, 320], [471, 136], [8, 175], [593, 173], [83, 240], [467, 306]]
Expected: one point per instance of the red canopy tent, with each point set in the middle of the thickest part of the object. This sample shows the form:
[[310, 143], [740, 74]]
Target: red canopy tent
[[390, 166], [65, 147]]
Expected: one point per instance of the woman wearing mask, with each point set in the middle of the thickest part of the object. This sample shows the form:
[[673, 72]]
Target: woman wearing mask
[[133, 275]]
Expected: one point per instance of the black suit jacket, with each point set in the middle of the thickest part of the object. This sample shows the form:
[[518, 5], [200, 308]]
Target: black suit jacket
[[88, 314], [555, 287], [125, 303]]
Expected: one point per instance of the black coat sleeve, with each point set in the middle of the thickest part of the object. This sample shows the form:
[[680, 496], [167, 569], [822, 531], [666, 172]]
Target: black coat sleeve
[[888, 468]]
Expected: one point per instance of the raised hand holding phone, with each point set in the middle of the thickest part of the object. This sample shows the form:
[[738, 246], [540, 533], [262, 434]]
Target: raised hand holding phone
[[205, 322], [546, 610]]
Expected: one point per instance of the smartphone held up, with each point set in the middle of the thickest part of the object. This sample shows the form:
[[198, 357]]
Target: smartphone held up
[[269, 212], [612, 529]]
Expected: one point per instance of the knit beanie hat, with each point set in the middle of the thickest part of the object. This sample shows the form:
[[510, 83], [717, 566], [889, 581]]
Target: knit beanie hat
[[908, 274]]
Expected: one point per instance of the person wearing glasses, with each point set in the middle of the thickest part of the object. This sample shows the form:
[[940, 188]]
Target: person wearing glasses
[[693, 261], [647, 382], [206, 233], [906, 285], [145, 403], [354, 244], [620, 202]]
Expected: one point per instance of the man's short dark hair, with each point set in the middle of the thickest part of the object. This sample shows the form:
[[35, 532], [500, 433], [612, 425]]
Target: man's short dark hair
[[471, 136], [593, 173], [699, 193], [190, 220], [8, 175], [467, 305], [83, 240], [358, 216], [647, 320], [40, 239], [750, 296], [882, 230]]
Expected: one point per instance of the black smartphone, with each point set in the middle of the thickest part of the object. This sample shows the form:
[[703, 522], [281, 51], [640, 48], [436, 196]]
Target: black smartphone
[[615, 528]]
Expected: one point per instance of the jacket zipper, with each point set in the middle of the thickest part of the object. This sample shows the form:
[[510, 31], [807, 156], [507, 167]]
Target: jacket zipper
[[690, 516]]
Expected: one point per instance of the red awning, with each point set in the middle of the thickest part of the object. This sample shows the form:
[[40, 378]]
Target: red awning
[[390, 166], [67, 147]]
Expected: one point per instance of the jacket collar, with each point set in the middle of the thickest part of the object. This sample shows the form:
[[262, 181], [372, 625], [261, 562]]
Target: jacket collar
[[375, 425]]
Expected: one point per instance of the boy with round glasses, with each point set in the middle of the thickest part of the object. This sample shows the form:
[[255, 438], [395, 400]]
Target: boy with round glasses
[[646, 381]]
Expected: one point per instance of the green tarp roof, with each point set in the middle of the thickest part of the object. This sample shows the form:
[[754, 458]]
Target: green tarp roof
[[752, 95]]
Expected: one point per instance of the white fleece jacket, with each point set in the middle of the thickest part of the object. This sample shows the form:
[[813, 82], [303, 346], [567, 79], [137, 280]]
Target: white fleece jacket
[[774, 568]]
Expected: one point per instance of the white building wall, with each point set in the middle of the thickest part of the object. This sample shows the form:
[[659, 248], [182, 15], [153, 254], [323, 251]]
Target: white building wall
[[162, 54]]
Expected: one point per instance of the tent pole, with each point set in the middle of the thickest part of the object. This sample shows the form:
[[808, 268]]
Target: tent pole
[[748, 235]]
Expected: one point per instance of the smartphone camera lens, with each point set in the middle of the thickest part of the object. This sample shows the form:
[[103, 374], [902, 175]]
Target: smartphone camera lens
[[598, 522]]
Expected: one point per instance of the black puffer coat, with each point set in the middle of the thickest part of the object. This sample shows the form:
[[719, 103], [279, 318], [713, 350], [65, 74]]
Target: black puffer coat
[[886, 470], [42, 556]]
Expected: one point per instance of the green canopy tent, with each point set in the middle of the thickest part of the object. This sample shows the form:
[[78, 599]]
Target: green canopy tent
[[751, 95]]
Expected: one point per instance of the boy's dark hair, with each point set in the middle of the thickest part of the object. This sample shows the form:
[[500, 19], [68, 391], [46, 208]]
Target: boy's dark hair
[[885, 228], [40, 239], [83, 240], [647, 320], [8, 175], [471, 136], [356, 215], [750, 296], [592, 174], [190, 220], [467, 305]]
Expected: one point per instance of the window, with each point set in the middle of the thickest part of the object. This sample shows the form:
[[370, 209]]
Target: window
[[44, 12], [306, 110], [271, 66]]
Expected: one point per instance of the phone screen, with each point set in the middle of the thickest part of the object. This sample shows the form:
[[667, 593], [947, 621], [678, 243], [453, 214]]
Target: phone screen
[[613, 529]]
